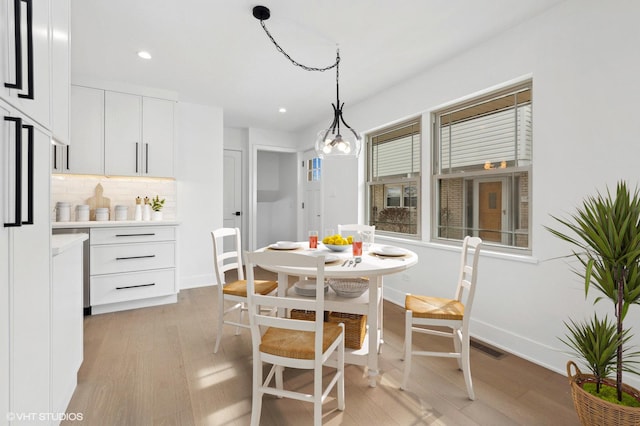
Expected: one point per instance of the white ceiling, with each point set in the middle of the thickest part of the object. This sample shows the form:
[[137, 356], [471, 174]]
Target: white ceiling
[[215, 52]]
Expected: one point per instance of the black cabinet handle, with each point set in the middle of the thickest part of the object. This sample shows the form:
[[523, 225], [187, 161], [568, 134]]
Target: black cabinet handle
[[135, 286], [237, 214], [17, 39], [29, 94], [146, 158], [136, 157], [18, 184], [136, 235], [136, 257], [30, 171], [55, 157], [67, 157]]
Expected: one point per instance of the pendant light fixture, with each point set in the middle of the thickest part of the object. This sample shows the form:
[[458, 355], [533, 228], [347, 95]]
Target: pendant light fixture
[[339, 139]]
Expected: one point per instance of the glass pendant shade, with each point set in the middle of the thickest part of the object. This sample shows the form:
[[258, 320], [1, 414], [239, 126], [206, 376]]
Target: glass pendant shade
[[332, 143]]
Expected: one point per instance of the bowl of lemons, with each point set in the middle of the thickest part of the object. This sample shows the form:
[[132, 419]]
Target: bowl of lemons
[[337, 242]]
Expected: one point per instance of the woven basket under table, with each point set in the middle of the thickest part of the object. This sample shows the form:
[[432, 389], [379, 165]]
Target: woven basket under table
[[306, 315], [355, 327], [592, 410]]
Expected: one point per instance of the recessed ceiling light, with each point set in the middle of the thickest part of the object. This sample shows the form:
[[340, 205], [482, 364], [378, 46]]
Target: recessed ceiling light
[[144, 54], [282, 110]]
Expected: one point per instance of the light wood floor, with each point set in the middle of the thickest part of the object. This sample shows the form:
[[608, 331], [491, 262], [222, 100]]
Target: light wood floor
[[156, 366]]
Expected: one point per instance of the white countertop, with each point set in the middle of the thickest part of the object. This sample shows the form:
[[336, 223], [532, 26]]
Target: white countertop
[[113, 223], [62, 242]]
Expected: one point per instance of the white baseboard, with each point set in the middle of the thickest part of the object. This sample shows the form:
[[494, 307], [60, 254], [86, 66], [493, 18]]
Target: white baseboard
[[134, 304]]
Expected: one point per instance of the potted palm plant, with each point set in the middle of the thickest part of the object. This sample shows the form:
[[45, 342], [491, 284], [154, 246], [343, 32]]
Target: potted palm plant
[[605, 233]]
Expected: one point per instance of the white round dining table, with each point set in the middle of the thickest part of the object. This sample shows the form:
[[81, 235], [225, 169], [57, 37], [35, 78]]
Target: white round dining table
[[374, 265]]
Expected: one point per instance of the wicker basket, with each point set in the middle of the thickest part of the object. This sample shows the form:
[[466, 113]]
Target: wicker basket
[[306, 315], [592, 410], [355, 327]]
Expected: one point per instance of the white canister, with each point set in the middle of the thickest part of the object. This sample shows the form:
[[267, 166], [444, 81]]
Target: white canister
[[82, 213], [121, 213], [146, 212], [102, 214], [63, 211]]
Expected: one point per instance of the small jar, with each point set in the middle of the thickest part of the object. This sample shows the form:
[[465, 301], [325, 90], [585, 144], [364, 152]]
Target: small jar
[[82, 213], [63, 211], [102, 214], [121, 213]]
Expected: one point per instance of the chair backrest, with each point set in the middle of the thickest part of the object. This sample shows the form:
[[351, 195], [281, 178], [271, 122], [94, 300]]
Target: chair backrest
[[468, 273], [354, 228], [229, 259], [258, 319]]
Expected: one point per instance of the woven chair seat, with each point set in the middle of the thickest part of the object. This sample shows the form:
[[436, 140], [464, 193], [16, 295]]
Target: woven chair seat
[[297, 344], [434, 307], [239, 288]]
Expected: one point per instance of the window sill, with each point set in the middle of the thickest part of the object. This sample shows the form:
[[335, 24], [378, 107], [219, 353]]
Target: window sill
[[486, 250]]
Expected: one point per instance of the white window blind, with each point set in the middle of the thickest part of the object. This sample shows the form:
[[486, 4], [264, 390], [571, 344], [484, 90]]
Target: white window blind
[[397, 152], [488, 133]]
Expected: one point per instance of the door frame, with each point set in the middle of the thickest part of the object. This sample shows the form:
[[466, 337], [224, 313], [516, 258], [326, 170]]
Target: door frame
[[253, 187], [302, 179], [243, 190]]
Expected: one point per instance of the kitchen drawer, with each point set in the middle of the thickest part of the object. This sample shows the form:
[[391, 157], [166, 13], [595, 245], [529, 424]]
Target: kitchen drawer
[[132, 234], [132, 286], [116, 258]]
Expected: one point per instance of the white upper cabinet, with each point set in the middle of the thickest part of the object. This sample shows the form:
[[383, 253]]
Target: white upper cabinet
[[86, 154], [138, 135], [60, 70], [122, 134], [157, 137], [24, 71]]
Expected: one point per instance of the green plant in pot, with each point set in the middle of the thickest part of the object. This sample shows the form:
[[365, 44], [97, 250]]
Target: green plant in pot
[[605, 233], [156, 205]]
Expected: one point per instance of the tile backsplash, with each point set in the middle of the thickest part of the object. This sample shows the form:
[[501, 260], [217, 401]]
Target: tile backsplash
[[77, 189]]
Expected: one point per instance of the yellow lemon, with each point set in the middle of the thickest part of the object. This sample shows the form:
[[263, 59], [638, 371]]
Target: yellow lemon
[[350, 239]]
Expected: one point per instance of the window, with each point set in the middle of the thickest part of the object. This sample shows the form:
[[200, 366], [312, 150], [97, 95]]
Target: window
[[314, 169], [482, 168], [393, 179]]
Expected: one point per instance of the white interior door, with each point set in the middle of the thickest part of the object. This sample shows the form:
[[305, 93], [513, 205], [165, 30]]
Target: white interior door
[[232, 182], [312, 190]]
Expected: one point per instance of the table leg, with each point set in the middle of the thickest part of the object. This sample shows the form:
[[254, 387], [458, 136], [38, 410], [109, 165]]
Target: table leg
[[283, 285], [374, 321], [380, 313]]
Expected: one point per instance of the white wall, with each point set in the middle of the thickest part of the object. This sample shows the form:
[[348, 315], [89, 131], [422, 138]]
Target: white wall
[[583, 58], [199, 167], [340, 199]]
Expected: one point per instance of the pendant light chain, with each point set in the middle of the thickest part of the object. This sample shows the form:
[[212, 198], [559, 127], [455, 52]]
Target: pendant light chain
[[304, 67], [335, 144]]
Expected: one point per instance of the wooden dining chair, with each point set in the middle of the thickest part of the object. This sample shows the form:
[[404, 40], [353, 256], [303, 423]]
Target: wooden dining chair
[[227, 259], [293, 343], [428, 311]]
